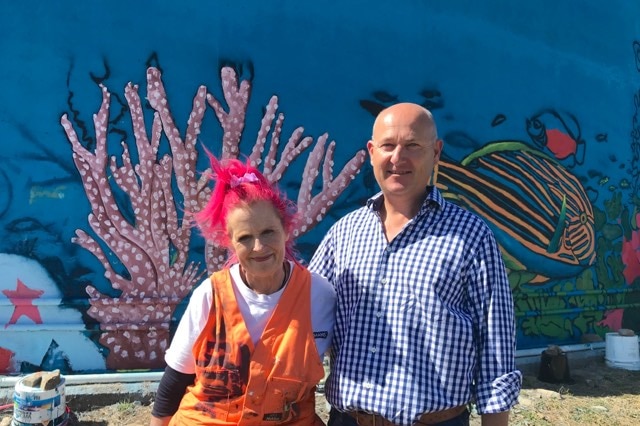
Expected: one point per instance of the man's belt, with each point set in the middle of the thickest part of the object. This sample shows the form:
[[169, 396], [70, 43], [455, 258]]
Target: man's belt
[[367, 419]]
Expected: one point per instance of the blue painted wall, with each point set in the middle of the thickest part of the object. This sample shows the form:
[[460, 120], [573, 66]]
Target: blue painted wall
[[550, 79]]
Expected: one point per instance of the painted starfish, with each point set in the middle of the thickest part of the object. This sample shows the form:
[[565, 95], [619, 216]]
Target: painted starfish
[[22, 298]]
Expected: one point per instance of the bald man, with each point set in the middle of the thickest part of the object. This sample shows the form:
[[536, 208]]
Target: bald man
[[425, 323]]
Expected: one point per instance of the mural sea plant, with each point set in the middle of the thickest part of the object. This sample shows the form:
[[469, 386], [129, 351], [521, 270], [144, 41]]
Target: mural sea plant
[[146, 258]]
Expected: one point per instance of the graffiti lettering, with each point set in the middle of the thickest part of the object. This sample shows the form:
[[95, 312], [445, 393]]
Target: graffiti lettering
[[37, 192]]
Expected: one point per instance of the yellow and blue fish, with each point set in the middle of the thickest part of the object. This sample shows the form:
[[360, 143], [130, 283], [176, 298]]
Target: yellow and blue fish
[[539, 211]]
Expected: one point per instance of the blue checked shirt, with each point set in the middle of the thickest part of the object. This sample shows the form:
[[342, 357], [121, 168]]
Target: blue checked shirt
[[424, 322]]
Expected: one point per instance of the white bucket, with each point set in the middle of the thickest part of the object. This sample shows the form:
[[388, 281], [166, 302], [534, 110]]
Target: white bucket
[[35, 406], [622, 351]]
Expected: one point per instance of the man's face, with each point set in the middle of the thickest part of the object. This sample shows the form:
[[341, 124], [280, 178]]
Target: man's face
[[403, 152]]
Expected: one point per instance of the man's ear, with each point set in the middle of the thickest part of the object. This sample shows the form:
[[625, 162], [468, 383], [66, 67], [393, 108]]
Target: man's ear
[[370, 148], [438, 150]]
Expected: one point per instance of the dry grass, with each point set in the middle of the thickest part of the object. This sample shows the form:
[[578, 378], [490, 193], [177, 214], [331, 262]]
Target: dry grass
[[599, 395]]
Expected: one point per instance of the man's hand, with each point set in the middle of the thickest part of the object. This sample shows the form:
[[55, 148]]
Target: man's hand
[[496, 419]]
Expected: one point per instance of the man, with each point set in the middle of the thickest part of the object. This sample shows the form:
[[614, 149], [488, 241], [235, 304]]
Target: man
[[425, 321]]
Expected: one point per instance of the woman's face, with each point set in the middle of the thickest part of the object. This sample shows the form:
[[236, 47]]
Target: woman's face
[[258, 239]]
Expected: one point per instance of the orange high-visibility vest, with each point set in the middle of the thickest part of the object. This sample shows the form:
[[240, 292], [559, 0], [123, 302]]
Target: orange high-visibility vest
[[272, 382]]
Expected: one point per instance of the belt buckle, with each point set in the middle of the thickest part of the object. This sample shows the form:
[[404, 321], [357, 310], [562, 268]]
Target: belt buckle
[[368, 419], [378, 420], [373, 419]]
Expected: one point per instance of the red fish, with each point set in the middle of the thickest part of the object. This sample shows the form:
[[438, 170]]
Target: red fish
[[558, 133], [560, 144]]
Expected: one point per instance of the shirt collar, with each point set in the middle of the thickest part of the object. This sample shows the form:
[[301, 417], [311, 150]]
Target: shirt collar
[[434, 198]]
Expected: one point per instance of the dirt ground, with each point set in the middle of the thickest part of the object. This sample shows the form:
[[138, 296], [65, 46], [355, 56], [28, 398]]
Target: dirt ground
[[599, 395]]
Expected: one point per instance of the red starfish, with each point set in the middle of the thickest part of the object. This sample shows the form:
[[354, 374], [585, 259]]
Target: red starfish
[[22, 298]]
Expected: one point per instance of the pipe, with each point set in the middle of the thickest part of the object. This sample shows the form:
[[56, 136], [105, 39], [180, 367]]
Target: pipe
[[83, 327], [544, 312], [594, 292], [83, 379], [46, 327], [582, 347]]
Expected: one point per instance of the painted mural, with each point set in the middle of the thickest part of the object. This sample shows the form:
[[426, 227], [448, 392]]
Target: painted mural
[[104, 133], [152, 244]]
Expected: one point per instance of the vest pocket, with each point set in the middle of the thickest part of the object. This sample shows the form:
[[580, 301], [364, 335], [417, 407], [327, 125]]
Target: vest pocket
[[221, 384], [289, 399]]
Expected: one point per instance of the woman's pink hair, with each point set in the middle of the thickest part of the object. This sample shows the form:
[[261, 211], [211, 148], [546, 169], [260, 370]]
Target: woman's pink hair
[[238, 185]]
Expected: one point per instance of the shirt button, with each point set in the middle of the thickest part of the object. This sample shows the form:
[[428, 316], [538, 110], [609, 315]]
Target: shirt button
[[373, 349], [379, 314], [384, 281]]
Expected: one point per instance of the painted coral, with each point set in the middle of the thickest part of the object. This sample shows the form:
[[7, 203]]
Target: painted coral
[[153, 248]]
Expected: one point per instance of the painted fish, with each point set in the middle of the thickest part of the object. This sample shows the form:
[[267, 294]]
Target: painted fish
[[385, 97], [560, 134], [539, 211], [372, 107]]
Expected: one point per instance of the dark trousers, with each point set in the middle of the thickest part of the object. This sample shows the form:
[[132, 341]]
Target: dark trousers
[[337, 418]]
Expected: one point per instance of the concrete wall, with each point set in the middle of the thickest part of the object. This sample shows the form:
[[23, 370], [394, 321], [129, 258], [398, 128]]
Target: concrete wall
[[106, 107]]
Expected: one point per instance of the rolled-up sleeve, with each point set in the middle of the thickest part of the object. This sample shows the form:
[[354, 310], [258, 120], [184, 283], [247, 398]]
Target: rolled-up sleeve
[[497, 381]]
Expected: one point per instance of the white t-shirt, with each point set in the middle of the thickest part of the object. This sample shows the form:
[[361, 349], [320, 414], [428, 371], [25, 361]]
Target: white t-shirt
[[256, 310]]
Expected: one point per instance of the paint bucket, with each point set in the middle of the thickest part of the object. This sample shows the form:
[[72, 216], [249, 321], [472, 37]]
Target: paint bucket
[[36, 406], [622, 351]]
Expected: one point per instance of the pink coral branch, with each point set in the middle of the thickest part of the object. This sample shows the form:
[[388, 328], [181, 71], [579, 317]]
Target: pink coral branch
[[90, 244], [292, 149], [232, 122], [184, 153], [215, 256], [270, 160], [143, 246], [313, 209], [105, 218], [265, 126]]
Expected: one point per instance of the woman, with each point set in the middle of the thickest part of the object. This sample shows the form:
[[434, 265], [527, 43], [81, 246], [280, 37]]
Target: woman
[[248, 348]]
